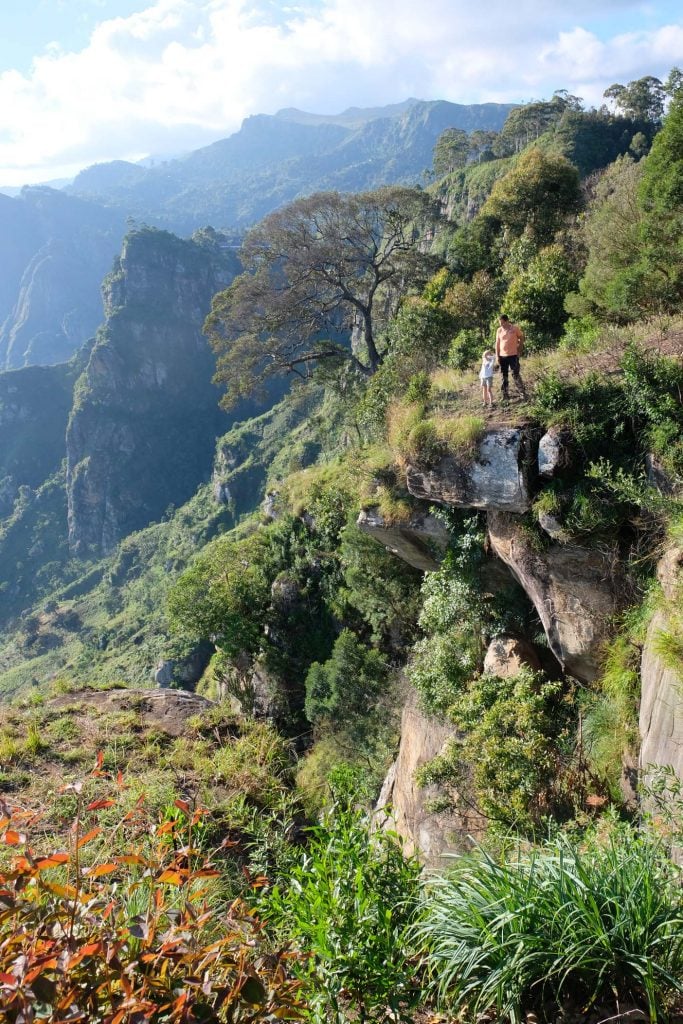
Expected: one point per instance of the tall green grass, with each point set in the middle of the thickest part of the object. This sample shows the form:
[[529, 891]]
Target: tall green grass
[[564, 927]]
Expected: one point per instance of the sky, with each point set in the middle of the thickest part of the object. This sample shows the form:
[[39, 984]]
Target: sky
[[83, 81]]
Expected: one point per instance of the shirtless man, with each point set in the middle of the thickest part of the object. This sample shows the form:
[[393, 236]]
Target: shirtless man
[[509, 347]]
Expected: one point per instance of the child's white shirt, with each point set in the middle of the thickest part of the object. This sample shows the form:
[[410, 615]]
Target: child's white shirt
[[486, 372]]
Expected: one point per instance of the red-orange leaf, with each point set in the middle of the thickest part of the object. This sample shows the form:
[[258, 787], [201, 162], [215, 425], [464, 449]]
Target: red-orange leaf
[[97, 805], [53, 861], [88, 836], [101, 869], [13, 838], [182, 805]]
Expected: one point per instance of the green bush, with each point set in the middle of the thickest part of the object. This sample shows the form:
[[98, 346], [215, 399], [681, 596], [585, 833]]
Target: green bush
[[342, 691], [465, 349], [518, 740], [561, 929], [347, 906]]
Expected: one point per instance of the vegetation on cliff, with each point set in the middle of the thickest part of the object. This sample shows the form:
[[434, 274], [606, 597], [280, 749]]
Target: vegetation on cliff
[[311, 631]]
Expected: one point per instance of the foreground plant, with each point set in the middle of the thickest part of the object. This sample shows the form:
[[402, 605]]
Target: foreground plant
[[346, 907], [565, 927], [140, 937]]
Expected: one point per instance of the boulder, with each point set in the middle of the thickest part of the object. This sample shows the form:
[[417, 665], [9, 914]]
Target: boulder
[[430, 833], [421, 541], [163, 673], [575, 591], [185, 672], [661, 701], [498, 478], [552, 526], [508, 655], [166, 710], [553, 453]]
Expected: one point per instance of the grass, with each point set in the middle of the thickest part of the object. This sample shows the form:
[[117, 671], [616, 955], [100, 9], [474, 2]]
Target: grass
[[564, 928]]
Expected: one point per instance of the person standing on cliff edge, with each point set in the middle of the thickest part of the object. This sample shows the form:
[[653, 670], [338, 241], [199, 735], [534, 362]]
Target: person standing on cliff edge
[[509, 347]]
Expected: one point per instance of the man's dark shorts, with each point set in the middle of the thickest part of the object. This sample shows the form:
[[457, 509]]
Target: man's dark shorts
[[508, 363]]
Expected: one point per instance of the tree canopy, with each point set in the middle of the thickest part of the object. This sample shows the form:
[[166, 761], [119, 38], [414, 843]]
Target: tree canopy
[[313, 272]]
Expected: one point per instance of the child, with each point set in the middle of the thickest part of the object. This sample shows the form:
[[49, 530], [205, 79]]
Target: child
[[488, 360]]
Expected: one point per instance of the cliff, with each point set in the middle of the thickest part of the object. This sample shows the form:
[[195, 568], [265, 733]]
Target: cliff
[[54, 251], [145, 416]]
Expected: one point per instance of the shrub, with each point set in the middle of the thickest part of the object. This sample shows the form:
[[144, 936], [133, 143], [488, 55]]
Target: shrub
[[518, 740], [142, 936], [419, 387], [465, 349], [343, 690], [564, 926], [347, 907]]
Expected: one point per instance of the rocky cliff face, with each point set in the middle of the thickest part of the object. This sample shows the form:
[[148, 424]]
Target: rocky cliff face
[[54, 251], [145, 416], [432, 833], [499, 477], [575, 591], [661, 702]]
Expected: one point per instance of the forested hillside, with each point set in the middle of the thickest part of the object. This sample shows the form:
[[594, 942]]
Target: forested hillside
[[395, 622]]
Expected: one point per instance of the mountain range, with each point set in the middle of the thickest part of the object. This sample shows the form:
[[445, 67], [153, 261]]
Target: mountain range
[[57, 245]]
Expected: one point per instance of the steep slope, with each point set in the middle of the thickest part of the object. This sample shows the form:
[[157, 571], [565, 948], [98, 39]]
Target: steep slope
[[145, 416], [54, 251]]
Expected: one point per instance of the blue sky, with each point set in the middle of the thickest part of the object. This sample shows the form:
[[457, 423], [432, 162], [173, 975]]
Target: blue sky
[[83, 81]]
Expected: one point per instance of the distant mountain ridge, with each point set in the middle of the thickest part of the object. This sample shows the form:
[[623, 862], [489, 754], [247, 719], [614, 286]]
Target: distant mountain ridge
[[275, 158], [56, 246]]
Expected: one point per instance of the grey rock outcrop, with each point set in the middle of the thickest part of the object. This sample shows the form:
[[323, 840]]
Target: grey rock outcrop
[[498, 478], [421, 541], [575, 591], [432, 834], [553, 453], [507, 656], [661, 702], [145, 413], [184, 672], [551, 525], [166, 710]]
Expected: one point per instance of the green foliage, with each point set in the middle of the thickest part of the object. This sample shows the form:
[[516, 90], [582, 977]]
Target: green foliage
[[346, 907], [537, 195], [611, 721], [567, 925], [342, 692], [382, 589], [472, 304], [611, 283], [517, 742], [465, 350], [580, 335], [642, 99], [224, 594], [456, 617], [420, 330], [536, 295], [450, 151], [419, 387]]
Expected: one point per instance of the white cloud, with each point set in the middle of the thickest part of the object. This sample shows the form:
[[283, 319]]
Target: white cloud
[[183, 72]]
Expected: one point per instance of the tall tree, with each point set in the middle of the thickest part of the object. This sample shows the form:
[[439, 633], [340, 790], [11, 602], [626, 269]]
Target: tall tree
[[536, 196], [451, 151], [642, 99], [314, 270]]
